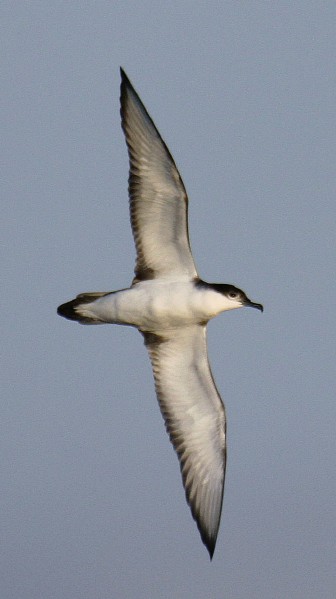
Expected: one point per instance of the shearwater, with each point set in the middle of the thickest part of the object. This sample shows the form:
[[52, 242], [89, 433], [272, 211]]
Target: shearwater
[[170, 305]]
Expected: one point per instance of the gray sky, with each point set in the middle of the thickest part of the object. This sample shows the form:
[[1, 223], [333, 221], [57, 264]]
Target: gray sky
[[92, 504]]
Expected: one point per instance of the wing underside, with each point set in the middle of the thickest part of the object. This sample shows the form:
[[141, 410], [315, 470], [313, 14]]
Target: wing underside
[[158, 200], [195, 420]]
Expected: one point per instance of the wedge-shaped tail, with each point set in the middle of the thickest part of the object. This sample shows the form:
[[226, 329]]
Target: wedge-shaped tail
[[72, 310]]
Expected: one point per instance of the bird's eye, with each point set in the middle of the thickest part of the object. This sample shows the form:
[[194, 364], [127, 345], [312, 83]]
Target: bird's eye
[[233, 295]]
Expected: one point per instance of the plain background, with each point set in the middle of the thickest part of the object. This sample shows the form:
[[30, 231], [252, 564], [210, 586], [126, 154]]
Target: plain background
[[92, 505]]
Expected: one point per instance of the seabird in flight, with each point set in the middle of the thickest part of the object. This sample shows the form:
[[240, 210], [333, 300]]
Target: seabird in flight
[[170, 305]]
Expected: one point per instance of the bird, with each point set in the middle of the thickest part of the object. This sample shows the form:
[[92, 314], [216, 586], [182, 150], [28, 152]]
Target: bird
[[170, 305]]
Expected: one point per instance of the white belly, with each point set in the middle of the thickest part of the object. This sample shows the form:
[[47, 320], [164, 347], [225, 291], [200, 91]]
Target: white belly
[[153, 305]]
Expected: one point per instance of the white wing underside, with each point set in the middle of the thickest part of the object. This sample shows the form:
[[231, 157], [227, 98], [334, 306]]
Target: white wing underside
[[195, 420], [158, 200]]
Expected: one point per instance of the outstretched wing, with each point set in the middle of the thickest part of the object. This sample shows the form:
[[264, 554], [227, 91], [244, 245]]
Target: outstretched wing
[[158, 200], [195, 420]]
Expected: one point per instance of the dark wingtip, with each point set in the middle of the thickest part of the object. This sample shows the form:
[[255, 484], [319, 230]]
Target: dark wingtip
[[125, 82], [123, 75], [211, 548], [209, 541], [124, 87]]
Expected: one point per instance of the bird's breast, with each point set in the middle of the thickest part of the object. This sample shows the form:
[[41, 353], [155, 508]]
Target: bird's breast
[[153, 305]]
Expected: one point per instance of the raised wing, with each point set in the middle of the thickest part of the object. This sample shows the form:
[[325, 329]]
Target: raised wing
[[195, 420], [158, 200]]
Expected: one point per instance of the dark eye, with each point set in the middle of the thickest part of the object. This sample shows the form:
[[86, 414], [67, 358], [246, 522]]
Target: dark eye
[[233, 294]]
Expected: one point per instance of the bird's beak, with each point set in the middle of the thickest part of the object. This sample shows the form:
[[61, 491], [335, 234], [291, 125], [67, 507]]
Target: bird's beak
[[254, 305]]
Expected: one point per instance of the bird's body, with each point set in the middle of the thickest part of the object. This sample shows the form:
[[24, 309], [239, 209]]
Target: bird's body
[[170, 305], [156, 305]]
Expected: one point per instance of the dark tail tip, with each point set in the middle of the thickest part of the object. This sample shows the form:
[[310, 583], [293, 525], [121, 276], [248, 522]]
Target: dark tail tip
[[67, 310], [72, 310]]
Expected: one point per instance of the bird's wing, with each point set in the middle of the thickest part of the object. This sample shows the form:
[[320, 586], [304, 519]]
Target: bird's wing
[[195, 420], [158, 200]]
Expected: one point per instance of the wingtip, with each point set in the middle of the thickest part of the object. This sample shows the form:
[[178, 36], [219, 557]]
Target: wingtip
[[208, 536], [207, 539], [125, 88], [124, 78], [210, 545]]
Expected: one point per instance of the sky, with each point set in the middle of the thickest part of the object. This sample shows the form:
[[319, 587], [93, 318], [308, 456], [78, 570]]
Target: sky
[[243, 93]]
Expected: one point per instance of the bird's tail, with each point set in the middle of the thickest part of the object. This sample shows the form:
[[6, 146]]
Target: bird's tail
[[78, 310]]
